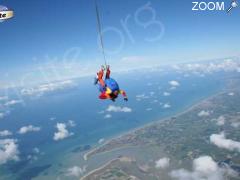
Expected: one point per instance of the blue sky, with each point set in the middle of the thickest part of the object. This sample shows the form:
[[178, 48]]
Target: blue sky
[[44, 32]]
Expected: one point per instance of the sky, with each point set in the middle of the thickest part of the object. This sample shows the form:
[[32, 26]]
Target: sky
[[58, 39]]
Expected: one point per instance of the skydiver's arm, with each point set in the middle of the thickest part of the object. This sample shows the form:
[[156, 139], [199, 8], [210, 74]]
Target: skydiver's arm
[[123, 93], [108, 72], [100, 75]]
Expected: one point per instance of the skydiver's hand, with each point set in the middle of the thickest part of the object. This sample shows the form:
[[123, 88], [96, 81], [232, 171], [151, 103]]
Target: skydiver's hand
[[95, 81], [113, 99], [126, 99]]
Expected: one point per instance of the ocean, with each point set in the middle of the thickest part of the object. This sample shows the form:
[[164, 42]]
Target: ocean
[[153, 95]]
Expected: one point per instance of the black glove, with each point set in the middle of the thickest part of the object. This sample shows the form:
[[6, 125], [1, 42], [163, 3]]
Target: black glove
[[125, 99], [95, 81]]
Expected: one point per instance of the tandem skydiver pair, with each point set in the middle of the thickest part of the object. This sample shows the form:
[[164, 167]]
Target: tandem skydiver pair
[[108, 87]]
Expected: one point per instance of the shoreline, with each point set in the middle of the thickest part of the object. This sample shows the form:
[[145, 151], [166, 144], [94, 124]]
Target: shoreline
[[87, 154]]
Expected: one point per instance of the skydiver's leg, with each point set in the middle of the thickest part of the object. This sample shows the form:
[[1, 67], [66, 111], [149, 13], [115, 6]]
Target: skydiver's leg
[[123, 93], [100, 76], [108, 72]]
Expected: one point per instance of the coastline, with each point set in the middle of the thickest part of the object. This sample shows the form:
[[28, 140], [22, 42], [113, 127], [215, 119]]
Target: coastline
[[87, 155]]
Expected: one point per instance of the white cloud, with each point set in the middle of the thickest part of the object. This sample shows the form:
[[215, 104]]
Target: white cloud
[[173, 88], [204, 168], [29, 128], [71, 123], [227, 65], [155, 101], [36, 150], [62, 132], [44, 88], [152, 93], [174, 83], [100, 141], [162, 163], [12, 102], [8, 150], [166, 94], [203, 113], [5, 133], [3, 98], [2, 115], [76, 171], [101, 112], [52, 118], [141, 97], [32, 157], [221, 141], [107, 116], [148, 109], [112, 108], [167, 105], [220, 121], [235, 124], [231, 94]]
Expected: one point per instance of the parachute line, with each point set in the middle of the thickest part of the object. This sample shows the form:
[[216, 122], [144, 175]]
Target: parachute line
[[100, 33]]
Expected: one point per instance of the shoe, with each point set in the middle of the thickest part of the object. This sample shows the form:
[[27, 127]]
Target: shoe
[[95, 81]]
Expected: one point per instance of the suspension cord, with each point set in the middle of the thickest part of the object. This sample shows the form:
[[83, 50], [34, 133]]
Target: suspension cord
[[100, 33]]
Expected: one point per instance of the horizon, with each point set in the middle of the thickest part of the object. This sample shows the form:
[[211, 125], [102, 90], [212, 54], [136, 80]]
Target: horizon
[[57, 77]]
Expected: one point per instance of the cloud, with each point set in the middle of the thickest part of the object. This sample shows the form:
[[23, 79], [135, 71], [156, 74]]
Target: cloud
[[227, 65], [107, 116], [204, 168], [235, 124], [174, 83], [166, 94], [71, 123], [112, 108], [29, 128], [3, 98], [152, 93], [221, 141], [5, 133], [76, 171], [220, 121], [36, 150], [141, 97], [12, 102], [45, 88], [34, 155], [162, 163], [8, 150], [155, 101], [148, 109], [166, 106], [52, 118], [133, 59], [100, 141], [2, 115], [62, 132], [101, 112], [231, 94], [203, 113]]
